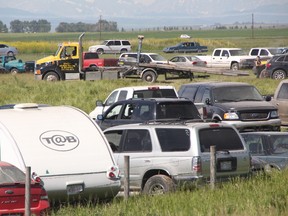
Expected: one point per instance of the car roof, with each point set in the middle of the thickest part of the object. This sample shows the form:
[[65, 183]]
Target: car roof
[[265, 133], [145, 87], [217, 84]]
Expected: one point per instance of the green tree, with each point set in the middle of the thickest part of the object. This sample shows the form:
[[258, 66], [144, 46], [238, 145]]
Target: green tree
[[3, 27]]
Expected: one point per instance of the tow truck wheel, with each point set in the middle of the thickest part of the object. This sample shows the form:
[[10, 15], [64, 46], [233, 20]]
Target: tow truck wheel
[[51, 76], [149, 76]]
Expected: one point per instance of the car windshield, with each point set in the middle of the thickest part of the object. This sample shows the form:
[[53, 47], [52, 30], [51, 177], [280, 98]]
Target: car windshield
[[235, 94], [237, 52], [11, 174], [157, 57]]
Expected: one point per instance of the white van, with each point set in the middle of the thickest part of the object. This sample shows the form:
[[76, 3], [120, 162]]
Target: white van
[[66, 149]]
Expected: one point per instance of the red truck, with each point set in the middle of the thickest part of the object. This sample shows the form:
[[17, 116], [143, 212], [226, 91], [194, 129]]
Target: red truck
[[91, 61]]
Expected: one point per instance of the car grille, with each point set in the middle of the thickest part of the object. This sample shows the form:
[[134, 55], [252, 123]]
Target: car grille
[[254, 116]]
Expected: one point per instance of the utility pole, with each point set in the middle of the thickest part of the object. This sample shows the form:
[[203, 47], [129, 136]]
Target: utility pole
[[100, 21], [252, 26]]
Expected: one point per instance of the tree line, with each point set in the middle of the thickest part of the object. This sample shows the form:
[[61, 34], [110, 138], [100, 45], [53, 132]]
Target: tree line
[[42, 25]]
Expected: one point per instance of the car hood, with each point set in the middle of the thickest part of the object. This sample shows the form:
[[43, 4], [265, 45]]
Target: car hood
[[246, 105]]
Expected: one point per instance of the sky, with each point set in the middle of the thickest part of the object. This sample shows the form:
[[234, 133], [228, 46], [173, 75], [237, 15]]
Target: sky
[[147, 13]]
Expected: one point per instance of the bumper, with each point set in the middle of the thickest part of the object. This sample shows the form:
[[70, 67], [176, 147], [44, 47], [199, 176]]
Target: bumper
[[38, 77], [269, 125]]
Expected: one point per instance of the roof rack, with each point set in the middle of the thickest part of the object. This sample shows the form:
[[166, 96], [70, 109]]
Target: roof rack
[[171, 121]]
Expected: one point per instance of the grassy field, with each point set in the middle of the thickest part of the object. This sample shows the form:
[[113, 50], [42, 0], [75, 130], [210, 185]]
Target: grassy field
[[261, 195]]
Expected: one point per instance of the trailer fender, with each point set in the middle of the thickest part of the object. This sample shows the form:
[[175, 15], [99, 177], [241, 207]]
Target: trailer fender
[[149, 75]]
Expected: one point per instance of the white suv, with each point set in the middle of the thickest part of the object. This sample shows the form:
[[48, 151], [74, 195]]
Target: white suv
[[165, 155], [111, 46], [133, 92]]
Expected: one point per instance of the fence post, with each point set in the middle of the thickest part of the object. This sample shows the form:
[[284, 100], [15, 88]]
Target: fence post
[[126, 176], [212, 166], [27, 191]]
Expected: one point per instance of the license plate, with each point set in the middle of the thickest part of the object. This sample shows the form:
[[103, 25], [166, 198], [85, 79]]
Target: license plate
[[225, 165], [74, 189]]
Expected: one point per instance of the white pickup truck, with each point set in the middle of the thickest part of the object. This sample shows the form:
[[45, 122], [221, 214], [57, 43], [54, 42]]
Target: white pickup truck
[[231, 58]]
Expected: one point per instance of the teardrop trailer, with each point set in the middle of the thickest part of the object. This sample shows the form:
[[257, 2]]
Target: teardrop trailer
[[66, 149]]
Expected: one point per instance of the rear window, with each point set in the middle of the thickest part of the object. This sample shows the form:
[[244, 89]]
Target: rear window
[[92, 55], [179, 110], [10, 174], [173, 140], [222, 138], [155, 93], [126, 43]]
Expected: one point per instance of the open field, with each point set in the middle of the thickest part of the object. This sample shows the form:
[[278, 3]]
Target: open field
[[261, 195]]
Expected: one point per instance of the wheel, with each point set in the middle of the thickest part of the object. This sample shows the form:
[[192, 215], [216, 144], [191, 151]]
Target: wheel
[[158, 184], [149, 76], [235, 66], [100, 51], [10, 53], [279, 74], [51, 76], [123, 50], [14, 71]]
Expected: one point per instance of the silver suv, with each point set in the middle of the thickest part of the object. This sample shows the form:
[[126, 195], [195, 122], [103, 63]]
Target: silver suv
[[165, 155], [111, 46]]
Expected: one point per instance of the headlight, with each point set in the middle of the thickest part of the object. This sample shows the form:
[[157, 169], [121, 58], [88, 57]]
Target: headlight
[[231, 115], [274, 114]]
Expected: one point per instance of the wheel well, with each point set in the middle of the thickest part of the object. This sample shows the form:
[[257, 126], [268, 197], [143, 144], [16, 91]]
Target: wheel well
[[149, 70], [151, 173], [234, 62], [59, 76]]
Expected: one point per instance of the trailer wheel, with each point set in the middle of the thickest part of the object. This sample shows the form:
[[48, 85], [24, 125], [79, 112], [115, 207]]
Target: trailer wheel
[[158, 184], [51, 76], [149, 76]]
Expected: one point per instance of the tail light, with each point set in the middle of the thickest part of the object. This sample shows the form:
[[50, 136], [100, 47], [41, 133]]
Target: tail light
[[113, 173], [204, 112], [196, 164], [205, 63], [194, 63], [36, 178], [268, 65]]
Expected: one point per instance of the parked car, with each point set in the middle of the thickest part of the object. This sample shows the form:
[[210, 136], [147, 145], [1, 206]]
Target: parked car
[[188, 61], [64, 146], [165, 155], [186, 47], [280, 100], [137, 110], [185, 36], [8, 50], [131, 59], [277, 67], [12, 65], [236, 103], [125, 93], [12, 192], [111, 46], [271, 147]]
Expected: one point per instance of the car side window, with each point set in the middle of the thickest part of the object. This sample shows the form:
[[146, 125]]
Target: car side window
[[264, 53], [189, 92], [114, 139], [283, 92], [128, 111], [217, 52], [112, 98], [123, 95], [137, 141], [114, 112], [117, 43]]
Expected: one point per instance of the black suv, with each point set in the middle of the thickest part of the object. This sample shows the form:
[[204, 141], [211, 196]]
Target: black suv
[[146, 109], [277, 67], [239, 104]]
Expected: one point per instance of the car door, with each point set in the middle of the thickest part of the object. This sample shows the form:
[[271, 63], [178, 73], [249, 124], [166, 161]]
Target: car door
[[135, 143], [115, 46], [281, 102]]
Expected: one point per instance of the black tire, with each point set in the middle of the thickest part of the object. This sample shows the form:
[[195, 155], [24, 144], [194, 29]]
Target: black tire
[[158, 184], [100, 51], [10, 53], [123, 50], [235, 66], [14, 71], [279, 74], [51, 76], [149, 76]]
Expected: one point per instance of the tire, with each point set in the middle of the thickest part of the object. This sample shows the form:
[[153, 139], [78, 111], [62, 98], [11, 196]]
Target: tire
[[51, 76], [279, 74], [235, 66], [158, 184], [14, 71], [123, 50], [149, 76], [10, 53], [100, 51]]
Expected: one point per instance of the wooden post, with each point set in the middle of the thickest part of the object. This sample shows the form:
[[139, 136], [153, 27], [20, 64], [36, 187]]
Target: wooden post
[[27, 191], [212, 166], [126, 176]]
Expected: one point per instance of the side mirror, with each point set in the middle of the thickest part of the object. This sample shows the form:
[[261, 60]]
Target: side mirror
[[268, 98], [100, 117], [207, 101], [99, 103]]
